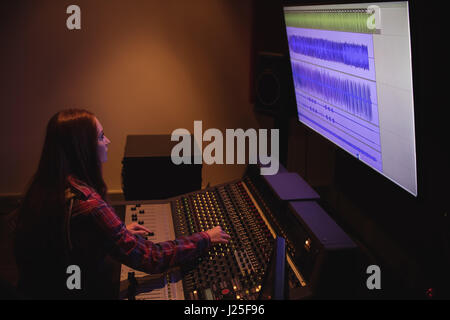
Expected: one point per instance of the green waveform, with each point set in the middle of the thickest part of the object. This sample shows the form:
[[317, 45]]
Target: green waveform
[[337, 21]]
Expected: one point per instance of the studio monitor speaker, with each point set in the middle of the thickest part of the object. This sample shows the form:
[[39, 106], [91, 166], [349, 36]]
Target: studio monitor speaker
[[274, 92]]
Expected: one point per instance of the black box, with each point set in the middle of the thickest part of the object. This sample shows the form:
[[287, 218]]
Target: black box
[[148, 172]]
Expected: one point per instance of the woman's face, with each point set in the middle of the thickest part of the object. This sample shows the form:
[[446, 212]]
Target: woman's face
[[102, 142]]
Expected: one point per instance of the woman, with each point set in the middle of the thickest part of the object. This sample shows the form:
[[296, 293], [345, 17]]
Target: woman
[[50, 237]]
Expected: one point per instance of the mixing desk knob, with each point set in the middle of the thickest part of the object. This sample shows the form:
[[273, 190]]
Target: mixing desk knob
[[226, 294]]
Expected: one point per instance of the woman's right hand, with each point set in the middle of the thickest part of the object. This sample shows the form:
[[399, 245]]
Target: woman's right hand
[[217, 235]]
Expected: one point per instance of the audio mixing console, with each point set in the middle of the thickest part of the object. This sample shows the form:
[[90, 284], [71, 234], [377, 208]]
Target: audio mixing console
[[235, 270]]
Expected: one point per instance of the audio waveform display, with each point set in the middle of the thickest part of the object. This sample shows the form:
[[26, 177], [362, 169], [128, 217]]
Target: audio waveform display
[[356, 55], [354, 96], [373, 158], [347, 20], [367, 134]]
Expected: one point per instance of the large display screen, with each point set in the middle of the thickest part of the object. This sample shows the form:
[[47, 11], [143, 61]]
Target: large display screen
[[352, 73]]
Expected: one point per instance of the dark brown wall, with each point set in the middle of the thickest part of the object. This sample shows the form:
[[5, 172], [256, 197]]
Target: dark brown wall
[[143, 67]]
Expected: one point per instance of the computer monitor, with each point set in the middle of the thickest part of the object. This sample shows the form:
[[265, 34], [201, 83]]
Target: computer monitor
[[352, 73]]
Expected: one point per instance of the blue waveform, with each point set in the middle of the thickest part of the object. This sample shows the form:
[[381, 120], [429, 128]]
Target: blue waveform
[[355, 55], [352, 95]]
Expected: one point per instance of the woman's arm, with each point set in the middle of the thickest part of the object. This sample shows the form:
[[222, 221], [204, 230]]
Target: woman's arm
[[145, 255]]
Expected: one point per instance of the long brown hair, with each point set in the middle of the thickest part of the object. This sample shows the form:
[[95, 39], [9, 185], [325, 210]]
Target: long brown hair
[[70, 148]]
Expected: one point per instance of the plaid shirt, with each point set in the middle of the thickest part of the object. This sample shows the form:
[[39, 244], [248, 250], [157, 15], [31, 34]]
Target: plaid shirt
[[133, 251]]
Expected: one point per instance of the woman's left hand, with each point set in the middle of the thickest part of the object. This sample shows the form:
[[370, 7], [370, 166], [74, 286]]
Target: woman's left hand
[[137, 229]]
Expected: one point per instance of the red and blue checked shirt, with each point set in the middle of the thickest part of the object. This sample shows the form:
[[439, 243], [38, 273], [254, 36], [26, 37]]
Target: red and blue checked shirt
[[91, 214]]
